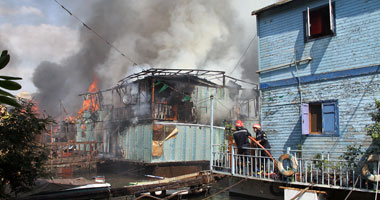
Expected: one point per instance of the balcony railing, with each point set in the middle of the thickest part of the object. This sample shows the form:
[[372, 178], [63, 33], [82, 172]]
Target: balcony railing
[[325, 170], [163, 111], [71, 153]]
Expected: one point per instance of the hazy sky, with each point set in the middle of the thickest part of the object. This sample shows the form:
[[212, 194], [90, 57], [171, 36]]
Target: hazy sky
[[40, 30]]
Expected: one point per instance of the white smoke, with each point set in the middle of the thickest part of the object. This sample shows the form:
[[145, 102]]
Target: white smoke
[[181, 34], [163, 34]]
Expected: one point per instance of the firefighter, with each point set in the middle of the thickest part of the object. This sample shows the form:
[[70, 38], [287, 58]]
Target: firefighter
[[261, 137], [241, 138]]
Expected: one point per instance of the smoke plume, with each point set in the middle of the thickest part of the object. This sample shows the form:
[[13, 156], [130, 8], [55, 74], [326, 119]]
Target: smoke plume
[[163, 34]]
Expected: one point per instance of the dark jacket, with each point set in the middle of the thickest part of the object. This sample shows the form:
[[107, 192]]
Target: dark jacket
[[261, 135], [241, 138]]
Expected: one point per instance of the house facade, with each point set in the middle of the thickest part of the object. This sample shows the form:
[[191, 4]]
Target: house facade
[[319, 65]]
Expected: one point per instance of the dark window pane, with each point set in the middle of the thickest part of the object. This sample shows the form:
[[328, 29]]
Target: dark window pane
[[315, 118]]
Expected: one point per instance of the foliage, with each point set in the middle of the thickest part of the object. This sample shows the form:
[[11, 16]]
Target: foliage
[[228, 128], [6, 82], [374, 129], [352, 155], [22, 158], [319, 163]]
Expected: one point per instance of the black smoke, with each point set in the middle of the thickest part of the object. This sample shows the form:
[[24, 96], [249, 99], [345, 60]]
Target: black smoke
[[161, 33]]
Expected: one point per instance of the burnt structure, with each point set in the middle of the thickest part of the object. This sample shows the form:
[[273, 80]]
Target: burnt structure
[[161, 116]]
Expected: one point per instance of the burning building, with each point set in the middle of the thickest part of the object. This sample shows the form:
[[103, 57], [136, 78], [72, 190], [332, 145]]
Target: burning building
[[161, 116]]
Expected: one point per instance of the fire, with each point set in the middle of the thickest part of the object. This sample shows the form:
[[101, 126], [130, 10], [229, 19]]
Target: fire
[[90, 103], [70, 119], [35, 107]]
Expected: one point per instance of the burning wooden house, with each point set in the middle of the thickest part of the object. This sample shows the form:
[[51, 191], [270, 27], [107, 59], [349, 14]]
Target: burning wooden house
[[161, 116]]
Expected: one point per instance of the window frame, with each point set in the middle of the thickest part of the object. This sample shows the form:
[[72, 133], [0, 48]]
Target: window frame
[[324, 113], [306, 22]]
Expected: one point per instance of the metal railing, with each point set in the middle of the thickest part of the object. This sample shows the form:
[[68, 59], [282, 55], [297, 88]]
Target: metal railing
[[324, 169]]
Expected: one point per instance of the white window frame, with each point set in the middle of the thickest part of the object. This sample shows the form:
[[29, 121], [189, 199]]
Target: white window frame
[[331, 6]]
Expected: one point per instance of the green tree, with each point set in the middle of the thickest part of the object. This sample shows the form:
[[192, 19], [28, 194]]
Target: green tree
[[374, 129], [7, 82], [22, 157]]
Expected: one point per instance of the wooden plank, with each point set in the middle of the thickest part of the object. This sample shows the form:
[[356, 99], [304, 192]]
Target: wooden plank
[[194, 179]]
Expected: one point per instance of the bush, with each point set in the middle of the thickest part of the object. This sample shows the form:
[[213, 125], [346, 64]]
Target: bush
[[22, 157]]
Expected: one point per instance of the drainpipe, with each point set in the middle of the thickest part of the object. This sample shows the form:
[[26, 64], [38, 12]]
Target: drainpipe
[[212, 129]]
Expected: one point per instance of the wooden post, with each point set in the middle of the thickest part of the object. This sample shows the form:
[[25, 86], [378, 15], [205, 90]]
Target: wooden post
[[104, 150], [80, 152], [153, 98]]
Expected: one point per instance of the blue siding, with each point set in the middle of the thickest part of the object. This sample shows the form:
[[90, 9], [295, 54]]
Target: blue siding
[[281, 34], [344, 68], [281, 117], [137, 142], [190, 144], [323, 77]]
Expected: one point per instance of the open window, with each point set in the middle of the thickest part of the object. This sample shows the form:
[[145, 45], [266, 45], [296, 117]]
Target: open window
[[320, 118], [320, 21]]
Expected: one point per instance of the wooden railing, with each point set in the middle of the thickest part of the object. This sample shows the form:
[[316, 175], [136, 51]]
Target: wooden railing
[[164, 111], [73, 153]]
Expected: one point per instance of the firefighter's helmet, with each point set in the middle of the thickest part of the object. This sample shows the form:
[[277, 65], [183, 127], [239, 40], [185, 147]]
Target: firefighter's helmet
[[239, 123], [258, 126]]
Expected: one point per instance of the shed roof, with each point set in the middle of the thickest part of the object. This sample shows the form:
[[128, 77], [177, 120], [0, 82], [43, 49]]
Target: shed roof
[[279, 3], [195, 74]]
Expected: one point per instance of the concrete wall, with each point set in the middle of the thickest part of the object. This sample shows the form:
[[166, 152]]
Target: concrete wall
[[356, 45]]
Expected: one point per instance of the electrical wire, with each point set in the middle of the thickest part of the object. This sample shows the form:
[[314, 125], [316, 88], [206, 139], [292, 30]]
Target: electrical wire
[[245, 52], [98, 35]]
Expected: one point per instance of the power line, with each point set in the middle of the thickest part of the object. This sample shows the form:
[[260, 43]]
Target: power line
[[97, 34], [245, 52]]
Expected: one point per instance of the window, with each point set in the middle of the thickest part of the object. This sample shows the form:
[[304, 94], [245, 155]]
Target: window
[[320, 118], [320, 21]]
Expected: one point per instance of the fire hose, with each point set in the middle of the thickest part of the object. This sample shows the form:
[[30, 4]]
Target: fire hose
[[261, 146]]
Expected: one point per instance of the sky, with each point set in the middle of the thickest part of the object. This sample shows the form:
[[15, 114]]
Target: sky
[[45, 42]]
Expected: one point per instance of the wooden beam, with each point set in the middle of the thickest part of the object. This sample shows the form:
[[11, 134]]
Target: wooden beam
[[195, 179]]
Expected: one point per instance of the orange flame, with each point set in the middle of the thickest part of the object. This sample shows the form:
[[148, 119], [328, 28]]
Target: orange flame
[[90, 103], [35, 107], [70, 119]]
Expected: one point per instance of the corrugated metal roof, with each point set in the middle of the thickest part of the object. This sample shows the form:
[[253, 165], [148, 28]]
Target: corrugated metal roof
[[282, 2]]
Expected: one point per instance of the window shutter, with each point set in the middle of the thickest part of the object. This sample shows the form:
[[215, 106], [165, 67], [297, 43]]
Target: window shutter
[[305, 119], [332, 26], [308, 22], [330, 118]]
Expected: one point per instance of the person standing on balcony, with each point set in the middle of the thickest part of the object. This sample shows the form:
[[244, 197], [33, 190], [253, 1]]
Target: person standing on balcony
[[241, 139], [261, 137]]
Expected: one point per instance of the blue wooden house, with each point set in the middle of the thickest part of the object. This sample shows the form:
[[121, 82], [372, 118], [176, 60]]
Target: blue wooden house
[[319, 65], [319, 72]]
